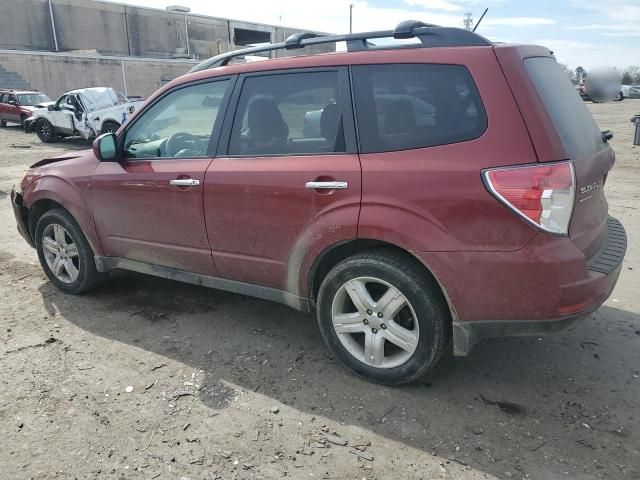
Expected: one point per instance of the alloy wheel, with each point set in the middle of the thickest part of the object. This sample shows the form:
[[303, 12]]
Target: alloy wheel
[[61, 253], [375, 322]]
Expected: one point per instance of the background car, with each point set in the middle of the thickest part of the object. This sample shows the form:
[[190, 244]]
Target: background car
[[85, 112], [18, 105]]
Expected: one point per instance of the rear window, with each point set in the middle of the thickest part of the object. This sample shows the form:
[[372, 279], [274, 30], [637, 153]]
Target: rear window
[[407, 106], [578, 131]]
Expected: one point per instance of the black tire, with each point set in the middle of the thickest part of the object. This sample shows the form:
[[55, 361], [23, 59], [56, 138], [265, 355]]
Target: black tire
[[3, 123], [424, 296], [110, 127], [23, 117], [88, 277], [46, 131]]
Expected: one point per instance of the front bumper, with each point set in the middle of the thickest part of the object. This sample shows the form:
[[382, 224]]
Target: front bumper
[[21, 214], [545, 287]]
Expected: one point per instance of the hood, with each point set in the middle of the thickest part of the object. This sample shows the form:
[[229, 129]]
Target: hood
[[42, 105], [70, 155]]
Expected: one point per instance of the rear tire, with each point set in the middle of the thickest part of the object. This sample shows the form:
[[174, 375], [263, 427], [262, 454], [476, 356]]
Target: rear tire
[[3, 123], [46, 131], [110, 127], [65, 254], [383, 317], [22, 120]]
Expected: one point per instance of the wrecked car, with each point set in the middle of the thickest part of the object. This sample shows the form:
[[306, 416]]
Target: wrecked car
[[87, 112]]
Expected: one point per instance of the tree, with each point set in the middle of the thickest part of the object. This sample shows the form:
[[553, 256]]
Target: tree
[[634, 73], [580, 73], [627, 78]]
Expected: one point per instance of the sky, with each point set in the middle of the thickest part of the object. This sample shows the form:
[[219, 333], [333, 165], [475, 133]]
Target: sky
[[585, 33]]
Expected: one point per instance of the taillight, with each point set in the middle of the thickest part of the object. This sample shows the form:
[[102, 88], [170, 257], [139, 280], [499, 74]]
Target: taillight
[[542, 194]]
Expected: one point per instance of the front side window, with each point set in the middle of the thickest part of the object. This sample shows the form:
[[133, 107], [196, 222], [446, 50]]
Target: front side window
[[178, 125], [407, 106], [288, 114]]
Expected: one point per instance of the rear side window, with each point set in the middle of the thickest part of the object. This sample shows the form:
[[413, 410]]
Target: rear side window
[[406, 106], [288, 114], [573, 121]]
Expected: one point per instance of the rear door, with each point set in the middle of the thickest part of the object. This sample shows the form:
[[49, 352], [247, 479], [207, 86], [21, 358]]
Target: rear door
[[289, 179], [581, 141]]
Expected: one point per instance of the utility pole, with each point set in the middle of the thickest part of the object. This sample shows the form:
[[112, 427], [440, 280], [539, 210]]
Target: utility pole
[[468, 21], [351, 17]]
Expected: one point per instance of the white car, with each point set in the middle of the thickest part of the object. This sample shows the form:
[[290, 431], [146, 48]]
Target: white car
[[86, 112]]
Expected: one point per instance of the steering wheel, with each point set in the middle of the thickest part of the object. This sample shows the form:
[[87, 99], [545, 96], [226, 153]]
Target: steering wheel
[[179, 141]]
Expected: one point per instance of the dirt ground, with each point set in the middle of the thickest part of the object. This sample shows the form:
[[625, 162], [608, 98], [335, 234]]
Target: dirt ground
[[148, 378]]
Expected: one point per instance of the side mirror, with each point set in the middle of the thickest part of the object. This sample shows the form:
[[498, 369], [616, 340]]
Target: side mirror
[[51, 108], [105, 147], [13, 102]]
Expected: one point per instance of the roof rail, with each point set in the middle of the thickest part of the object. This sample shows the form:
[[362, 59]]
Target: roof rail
[[428, 34]]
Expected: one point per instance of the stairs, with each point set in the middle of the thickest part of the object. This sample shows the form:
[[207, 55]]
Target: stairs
[[12, 80]]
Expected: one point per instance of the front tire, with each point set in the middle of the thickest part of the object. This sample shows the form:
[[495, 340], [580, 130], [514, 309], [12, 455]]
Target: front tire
[[46, 131], [383, 317], [65, 254]]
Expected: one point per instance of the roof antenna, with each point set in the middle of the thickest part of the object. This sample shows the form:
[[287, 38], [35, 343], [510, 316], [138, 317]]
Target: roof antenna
[[483, 14]]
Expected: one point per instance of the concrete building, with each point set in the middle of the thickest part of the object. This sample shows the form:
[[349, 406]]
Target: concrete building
[[110, 44]]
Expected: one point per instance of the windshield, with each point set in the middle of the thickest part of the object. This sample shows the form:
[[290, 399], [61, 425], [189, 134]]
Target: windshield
[[30, 99]]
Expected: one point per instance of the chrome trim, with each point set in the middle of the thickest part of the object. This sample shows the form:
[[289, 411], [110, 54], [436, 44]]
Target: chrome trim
[[185, 182], [327, 185]]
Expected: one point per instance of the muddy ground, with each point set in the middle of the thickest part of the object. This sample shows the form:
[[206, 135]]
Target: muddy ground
[[147, 378]]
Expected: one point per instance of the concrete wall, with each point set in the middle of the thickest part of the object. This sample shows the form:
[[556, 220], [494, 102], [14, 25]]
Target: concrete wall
[[116, 29], [55, 74]]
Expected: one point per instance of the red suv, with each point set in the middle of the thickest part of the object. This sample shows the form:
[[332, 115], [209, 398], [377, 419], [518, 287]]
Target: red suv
[[413, 196], [18, 105]]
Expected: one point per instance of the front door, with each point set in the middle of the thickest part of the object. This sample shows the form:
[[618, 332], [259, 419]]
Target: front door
[[289, 180], [149, 206], [62, 116]]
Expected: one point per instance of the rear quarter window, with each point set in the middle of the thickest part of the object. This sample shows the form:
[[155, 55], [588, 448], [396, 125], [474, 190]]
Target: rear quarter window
[[407, 106], [575, 125]]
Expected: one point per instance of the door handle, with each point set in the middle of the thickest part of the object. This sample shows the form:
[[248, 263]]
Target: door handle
[[327, 185], [184, 182]]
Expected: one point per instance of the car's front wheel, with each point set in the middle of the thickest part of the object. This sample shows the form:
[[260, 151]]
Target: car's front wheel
[[46, 131], [65, 254], [383, 317]]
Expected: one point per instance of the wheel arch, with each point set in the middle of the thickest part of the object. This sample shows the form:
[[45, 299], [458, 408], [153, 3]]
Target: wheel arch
[[47, 197], [337, 252]]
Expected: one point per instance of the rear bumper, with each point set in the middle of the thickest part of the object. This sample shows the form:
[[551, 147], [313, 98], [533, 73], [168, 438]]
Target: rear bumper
[[21, 214], [545, 287]]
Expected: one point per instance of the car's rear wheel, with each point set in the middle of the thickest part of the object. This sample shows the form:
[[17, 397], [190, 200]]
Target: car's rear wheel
[[383, 317], [110, 127], [3, 123], [23, 118], [46, 131], [65, 254]]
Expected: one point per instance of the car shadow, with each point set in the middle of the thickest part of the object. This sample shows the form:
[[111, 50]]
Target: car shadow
[[517, 405]]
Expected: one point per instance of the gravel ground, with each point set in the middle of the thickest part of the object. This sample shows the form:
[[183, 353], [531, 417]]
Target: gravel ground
[[148, 378]]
